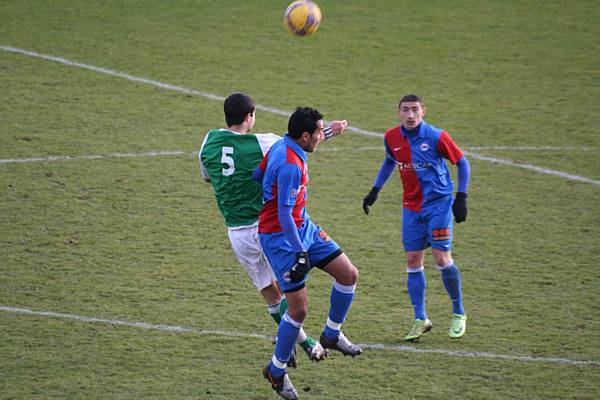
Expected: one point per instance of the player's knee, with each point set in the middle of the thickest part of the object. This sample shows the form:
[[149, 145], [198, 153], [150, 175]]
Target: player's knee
[[299, 313], [442, 258], [349, 276], [414, 261]]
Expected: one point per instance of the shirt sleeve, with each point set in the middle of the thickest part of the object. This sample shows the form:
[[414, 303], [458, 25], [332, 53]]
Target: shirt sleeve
[[266, 141], [263, 164], [289, 227], [448, 149], [203, 169], [464, 174], [289, 181], [386, 169]]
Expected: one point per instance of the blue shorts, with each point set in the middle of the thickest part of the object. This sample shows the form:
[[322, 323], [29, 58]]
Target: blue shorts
[[432, 226], [321, 251]]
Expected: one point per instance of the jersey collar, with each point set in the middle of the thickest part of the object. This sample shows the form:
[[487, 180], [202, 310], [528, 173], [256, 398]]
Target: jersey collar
[[420, 132], [294, 146]]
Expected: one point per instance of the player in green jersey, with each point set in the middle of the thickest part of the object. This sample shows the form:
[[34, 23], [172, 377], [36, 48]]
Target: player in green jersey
[[227, 159]]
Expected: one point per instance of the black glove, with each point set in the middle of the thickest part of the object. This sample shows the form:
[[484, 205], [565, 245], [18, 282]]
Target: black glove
[[301, 267], [459, 207], [370, 199]]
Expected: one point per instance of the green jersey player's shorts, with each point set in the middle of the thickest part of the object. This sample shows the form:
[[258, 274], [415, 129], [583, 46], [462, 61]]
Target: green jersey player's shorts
[[247, 249]]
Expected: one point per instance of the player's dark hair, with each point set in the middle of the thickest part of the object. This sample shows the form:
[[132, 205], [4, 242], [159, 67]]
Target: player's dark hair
[[412, 98], [304, 119], [236, 107]]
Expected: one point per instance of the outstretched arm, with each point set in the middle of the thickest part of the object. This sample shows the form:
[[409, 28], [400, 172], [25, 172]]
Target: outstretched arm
[[335, 128]]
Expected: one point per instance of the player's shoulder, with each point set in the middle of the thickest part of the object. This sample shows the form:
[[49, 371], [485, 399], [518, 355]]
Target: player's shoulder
[[432, 128], [271, 136], [431, 131], [215, 135], [392, 131]]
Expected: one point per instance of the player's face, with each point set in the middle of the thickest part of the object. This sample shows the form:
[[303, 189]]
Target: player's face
[[411, 114], [316, 138]]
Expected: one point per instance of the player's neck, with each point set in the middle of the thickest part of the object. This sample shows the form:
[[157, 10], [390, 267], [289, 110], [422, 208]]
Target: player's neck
[[411, 131], [238, 128]]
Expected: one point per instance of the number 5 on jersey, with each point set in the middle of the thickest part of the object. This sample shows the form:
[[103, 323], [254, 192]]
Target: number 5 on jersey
[[226, 153]]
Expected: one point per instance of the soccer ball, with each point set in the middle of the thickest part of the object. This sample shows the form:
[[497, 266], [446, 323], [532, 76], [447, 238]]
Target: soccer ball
[[302, 17]]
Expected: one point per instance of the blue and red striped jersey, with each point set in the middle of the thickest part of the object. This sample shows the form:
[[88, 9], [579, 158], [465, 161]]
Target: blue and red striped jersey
[[420, 158], [285, 178]]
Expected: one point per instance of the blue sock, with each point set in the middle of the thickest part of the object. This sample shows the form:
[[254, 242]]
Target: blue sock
[[340, 301], [416, 284], [286, 339], [453, 285]]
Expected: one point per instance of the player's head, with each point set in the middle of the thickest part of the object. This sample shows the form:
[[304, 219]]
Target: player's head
[[239, 108], [306, 128], [411, 111]]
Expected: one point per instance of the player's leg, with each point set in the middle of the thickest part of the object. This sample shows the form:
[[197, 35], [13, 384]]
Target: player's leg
[[414, 240], [287, 336], [282, 259], [440, 237], [246, 247], [342, 295], [309, 345], [451, 277], [324, 253], [289, 328], [248, 250], [305, 341]]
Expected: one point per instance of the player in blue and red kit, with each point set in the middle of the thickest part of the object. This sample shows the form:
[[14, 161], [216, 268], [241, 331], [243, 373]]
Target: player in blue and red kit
[[419, 150], [293, 245]]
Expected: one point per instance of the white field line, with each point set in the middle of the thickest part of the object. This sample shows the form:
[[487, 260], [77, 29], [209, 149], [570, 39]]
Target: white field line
[[272, 110], [320, 150], [531, 148], [371, 346], [533, 168], [92, 157]]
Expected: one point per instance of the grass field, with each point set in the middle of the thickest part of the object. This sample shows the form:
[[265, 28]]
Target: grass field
[[117, 280]]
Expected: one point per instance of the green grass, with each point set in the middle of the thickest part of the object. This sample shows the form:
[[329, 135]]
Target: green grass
[[140, 239]]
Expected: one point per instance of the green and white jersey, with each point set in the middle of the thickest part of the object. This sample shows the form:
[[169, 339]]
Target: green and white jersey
[[228, 158]]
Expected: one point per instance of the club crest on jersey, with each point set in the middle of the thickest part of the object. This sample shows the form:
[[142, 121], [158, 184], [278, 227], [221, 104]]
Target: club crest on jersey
[[424, 147], [323, 235], [296, 192], [286, 276], [441, 234]]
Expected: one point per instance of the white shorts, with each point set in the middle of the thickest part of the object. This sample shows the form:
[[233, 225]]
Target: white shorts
[[247, 249]]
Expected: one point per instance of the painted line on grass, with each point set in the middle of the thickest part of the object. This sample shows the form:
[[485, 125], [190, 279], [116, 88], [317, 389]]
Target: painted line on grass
[[320, 150], [272, 110], [532, 148], [92, 157], [371, 346], [533, 168]]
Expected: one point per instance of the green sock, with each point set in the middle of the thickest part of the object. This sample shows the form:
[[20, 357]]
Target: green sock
[[308, 342], [275, 312], [283, 306]]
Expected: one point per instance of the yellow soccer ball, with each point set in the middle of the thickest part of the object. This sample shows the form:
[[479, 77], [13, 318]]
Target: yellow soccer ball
[[302, 17]]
